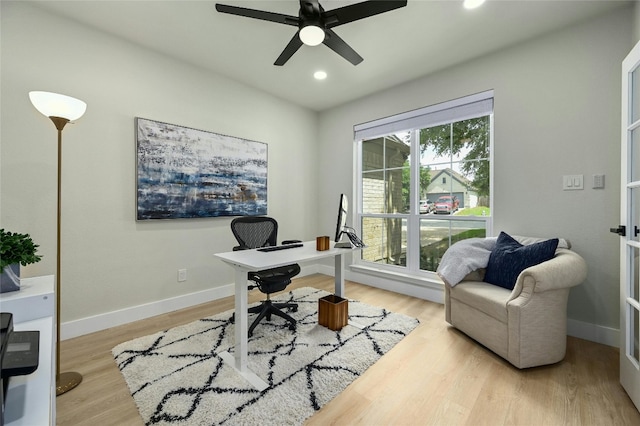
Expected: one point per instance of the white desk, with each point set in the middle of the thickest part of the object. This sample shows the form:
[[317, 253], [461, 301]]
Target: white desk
[[245, 261]]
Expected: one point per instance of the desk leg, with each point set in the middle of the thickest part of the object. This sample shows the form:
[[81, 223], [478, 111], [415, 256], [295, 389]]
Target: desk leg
[[241, 336], [239, 360], [339, 275], [339, 286]]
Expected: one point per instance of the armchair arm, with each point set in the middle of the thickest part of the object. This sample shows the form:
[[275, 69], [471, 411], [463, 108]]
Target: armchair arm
[[566, 269]]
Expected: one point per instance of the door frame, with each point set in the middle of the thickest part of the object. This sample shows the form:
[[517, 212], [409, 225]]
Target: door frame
[[629, 244]]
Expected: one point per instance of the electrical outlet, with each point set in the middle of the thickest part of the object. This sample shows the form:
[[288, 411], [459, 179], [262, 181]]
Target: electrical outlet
[[182, 275]]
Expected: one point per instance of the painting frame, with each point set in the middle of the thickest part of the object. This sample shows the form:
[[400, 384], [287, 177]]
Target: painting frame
[[185, 173]]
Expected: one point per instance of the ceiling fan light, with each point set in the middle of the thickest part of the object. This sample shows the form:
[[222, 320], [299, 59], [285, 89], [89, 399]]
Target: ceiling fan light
[[312, 35]]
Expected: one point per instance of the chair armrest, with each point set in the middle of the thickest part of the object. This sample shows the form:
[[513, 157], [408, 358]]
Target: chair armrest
[[238, 248], [566, 269]]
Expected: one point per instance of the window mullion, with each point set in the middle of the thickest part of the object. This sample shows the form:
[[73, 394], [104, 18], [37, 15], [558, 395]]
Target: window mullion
[[413, 224]]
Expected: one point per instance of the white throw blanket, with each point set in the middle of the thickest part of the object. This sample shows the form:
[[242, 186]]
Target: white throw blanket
[[464, 257]]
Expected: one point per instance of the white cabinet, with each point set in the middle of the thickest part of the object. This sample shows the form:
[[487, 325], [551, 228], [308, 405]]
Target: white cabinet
[[31, 399]]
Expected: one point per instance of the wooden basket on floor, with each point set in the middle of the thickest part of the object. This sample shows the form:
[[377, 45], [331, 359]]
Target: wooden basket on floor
[[333, 312]]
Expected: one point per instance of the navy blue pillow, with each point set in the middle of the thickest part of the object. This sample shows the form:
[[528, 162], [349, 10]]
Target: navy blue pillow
[[508, 258]]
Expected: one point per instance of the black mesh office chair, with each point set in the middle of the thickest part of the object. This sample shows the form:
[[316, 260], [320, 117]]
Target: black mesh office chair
[[262, 231]]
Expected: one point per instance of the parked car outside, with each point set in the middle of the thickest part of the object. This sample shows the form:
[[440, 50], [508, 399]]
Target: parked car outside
[[447, 204], [427, 206]]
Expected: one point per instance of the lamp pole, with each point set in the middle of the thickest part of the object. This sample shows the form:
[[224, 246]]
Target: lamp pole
[[61, 110], [68, 380]]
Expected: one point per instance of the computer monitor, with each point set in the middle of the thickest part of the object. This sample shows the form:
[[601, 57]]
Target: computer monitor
[[343, 229], [343, 208]]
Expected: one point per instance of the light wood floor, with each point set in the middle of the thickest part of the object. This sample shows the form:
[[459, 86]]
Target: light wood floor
[[435, 376]]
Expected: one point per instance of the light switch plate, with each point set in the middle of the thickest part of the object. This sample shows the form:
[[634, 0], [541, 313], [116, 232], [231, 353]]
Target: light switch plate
[[572, 182]]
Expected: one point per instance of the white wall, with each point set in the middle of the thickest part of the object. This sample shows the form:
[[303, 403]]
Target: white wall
[[636, 22], [110, 261], [557, 112]]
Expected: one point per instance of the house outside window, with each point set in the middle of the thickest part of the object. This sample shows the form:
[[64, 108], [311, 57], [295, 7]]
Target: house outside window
[[424, 183]]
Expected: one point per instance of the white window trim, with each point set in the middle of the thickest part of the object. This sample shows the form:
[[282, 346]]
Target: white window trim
[[480, 104], [459, 109]]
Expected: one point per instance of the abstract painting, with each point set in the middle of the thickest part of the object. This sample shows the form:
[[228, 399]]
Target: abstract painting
[[189, 173]]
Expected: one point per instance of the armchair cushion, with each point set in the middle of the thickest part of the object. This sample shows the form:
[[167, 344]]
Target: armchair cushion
[[489, 299], [508, 258]]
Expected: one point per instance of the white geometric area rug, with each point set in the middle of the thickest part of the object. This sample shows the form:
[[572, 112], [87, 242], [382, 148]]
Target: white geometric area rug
[[177, 378]]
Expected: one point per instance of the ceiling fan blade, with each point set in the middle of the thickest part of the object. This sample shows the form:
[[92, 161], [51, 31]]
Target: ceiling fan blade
[[292, 47], [258, 14], [335, 43], [354, 12]]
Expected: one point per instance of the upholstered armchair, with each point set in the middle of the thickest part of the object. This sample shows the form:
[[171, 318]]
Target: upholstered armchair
[[527, 325]]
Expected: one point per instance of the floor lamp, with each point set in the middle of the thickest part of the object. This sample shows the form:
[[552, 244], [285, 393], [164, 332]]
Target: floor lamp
[[60, 109]]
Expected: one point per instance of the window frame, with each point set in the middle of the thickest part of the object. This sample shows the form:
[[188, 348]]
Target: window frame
[[413, 217]]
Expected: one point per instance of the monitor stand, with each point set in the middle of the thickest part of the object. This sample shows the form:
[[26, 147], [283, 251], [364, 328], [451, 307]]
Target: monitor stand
[[353, 241], [344, 244]]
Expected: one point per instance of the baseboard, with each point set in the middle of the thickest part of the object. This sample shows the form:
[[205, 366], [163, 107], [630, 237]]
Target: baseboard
[[594, 332], [583, 330], [397, 283], [80, 327], [106, 320]]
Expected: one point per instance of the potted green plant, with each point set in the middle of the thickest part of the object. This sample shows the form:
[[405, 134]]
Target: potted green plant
[[15, 250]]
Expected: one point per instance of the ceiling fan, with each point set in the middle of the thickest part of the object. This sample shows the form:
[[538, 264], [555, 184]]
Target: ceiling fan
[[315, 24]]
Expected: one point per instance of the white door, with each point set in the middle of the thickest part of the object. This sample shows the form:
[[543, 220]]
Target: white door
[[630, 218]]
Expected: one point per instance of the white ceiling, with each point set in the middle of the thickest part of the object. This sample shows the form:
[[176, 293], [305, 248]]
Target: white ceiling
[[398, 46]]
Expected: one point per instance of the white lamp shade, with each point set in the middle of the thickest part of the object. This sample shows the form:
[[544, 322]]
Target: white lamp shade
[[56, 105], [312, 35], [472, 4]]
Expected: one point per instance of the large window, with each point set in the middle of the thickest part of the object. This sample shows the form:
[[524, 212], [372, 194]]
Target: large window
[[424, 182]]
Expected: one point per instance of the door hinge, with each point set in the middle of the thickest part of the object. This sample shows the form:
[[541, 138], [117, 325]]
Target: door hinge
[[620, 230]]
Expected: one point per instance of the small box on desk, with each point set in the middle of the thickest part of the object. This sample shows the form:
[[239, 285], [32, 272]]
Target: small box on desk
[[333, 312]]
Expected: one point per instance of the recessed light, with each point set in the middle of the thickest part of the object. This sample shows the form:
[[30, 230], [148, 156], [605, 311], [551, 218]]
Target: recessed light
[[319, 75], [472, 4]]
